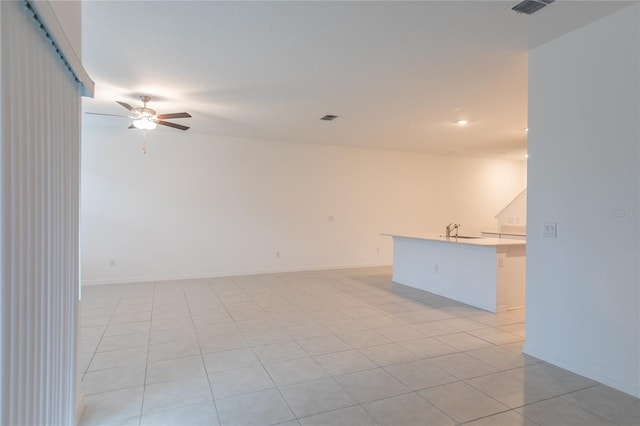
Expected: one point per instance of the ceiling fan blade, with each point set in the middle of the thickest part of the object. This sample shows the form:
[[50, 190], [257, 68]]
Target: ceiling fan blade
[[111, 115], [174, 115], [127, 106], [174, 125]]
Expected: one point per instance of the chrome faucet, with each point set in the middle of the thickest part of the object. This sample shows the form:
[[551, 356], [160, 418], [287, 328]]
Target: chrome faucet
[[450, 228]]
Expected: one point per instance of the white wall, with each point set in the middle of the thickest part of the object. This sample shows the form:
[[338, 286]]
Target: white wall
[[69, 15], [584, 160], [199, 205], [514, 215]]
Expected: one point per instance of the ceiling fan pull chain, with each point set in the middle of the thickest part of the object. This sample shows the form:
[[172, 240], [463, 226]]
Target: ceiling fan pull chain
[[144, 142]]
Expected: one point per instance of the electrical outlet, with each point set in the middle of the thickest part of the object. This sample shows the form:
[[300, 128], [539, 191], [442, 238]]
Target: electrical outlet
[[277, 254], [549, 230], [436, 268], [330, 218], [112, 263]]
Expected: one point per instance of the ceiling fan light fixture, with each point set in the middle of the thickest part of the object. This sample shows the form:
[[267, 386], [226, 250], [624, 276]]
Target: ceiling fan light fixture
[[144, 124], [146, 118]]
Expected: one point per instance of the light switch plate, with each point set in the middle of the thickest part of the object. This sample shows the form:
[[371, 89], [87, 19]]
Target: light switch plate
[[549, 230]]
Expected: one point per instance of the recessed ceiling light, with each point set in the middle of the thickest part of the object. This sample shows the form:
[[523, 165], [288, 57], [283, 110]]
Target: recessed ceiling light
[[462, 122], [526, 156], [526, 130], [329, 117]]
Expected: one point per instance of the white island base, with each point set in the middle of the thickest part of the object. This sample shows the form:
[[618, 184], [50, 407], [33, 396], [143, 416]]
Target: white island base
[[488, 273]]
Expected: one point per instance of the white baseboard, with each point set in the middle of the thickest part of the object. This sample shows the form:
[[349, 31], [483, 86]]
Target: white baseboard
[[224, 274], [627, 387]]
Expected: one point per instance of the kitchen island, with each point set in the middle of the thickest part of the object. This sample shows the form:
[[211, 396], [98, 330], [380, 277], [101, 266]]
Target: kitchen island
[[488, 273]]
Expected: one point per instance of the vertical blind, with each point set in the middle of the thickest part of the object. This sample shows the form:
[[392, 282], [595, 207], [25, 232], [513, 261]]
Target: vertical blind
[[39, 205]]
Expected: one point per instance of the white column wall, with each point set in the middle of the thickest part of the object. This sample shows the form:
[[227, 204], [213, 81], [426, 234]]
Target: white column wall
[[39, 207], [583, 287]]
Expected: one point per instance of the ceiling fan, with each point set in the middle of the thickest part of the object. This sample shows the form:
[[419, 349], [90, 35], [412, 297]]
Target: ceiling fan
[[146, 118]]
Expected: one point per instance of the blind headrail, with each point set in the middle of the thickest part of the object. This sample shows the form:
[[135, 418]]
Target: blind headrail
[[43, 13]]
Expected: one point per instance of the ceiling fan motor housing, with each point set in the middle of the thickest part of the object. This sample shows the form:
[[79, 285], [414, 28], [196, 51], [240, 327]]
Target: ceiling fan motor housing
[[146, 112]]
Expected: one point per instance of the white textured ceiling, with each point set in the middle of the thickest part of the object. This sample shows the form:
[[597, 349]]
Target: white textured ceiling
[[398, 74]]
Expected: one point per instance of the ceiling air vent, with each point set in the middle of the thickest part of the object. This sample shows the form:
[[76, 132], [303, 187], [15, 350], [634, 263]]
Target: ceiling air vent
[[329, 117], [529, 7]]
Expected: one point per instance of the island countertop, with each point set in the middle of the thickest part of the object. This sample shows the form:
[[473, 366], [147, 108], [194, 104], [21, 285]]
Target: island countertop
[[476, 241], [488, 273]]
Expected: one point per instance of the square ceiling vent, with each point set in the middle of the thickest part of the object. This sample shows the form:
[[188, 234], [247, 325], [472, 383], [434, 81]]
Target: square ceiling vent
[[529, 7]]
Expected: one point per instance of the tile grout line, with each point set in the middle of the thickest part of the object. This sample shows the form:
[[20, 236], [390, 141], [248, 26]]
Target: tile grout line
[[146, 366], [582, 408], [84, 373], [276, 387], [491, 415], [213, 397]]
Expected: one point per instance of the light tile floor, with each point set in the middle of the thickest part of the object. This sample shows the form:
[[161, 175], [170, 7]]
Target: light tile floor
[[344, 347]]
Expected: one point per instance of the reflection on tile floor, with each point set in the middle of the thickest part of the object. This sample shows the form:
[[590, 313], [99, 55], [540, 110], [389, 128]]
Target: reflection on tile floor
[[345, 347]]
